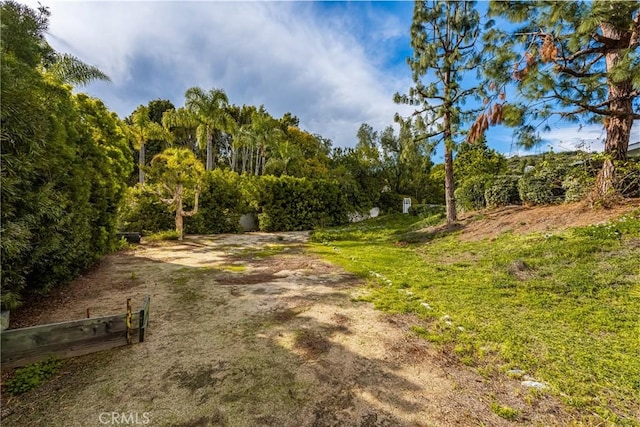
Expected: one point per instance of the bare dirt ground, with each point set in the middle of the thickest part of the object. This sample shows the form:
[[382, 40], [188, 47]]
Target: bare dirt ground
[[520, 219], [251, 330]]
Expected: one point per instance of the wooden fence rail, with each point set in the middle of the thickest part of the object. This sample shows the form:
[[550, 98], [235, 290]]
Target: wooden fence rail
[[20, 347]]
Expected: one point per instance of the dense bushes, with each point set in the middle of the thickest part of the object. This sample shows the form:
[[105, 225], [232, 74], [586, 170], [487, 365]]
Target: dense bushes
[[222, 202], [282, 204], [470, 195], [143, 211], [64, 166], [503, 191], [300, 204]]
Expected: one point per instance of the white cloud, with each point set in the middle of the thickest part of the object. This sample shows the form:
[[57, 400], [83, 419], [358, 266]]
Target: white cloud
[[284, 55]]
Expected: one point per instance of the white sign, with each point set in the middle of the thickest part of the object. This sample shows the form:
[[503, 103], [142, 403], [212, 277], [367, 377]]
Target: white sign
[[406, 204]]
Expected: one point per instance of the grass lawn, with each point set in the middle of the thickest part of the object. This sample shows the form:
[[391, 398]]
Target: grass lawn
[[564, 307]]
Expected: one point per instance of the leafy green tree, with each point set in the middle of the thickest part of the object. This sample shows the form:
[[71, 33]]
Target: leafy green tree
[[176, 175], [157, 108], [443, 38], [208, 110], [477, 159], [570, 59], [140, 129]]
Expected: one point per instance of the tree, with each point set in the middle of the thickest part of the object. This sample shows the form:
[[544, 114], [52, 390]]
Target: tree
[[478, 160], [176, 174], [140, 129], [575, 60], [443, 37], [208, 109]]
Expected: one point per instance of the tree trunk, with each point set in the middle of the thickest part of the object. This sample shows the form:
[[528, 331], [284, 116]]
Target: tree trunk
[[618, 125], [209, 150], [449, 186], [141, 162], [179, 217]]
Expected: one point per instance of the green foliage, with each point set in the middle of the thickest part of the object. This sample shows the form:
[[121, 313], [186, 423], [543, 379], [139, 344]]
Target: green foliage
[[64, 163], [143, 211], [506, 412], [566, 58], [288, 203], [224, 198], [503, 191], [390, 202], [477, 159], [580, 287], [32, 376], [470, 195], [162, 235], [575, 189], [627, 225], [539, 190], [628, 177]]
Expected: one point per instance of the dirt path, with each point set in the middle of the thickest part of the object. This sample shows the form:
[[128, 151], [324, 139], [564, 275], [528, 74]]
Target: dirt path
[[249, 330]]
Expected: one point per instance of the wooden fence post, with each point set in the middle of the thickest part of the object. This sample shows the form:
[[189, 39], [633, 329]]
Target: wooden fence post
[[128, 320]]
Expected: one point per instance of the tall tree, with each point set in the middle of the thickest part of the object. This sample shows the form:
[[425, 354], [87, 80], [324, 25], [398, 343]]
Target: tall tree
[[140, 129], [176, 175], [208, 108], [443, 37], [572, 59]]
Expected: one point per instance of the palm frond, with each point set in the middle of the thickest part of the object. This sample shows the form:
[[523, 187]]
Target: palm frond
[[69, 69]]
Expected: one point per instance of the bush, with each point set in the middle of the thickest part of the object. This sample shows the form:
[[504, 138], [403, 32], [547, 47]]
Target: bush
[[222, 202], [502, 192], [32, 376], [143, 211], [575, 189], [425, 210], [470, 195], [628, 178], [300, 204], [390, 202], [540, 189]]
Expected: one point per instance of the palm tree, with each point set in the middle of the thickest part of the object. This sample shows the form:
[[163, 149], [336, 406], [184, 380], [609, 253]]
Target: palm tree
[[209, 111], [68, 69], [139, 129]]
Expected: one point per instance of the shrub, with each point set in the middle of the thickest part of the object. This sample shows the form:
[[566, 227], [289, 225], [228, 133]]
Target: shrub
[[502, 192], [425, 210], [390, 202], [300, 204], [470, 195], [628, 178], [540, 189], [222, 202], [32, 376], [143, 211], [575, 189]]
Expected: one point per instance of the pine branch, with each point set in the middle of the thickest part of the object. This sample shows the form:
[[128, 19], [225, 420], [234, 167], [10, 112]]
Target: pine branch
[[575, 73]]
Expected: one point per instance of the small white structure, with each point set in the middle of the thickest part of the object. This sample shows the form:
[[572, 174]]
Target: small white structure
[[357, 216], [406, 204]]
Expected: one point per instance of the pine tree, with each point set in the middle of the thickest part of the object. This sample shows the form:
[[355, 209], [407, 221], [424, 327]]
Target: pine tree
[[443, 37], [575, 60]]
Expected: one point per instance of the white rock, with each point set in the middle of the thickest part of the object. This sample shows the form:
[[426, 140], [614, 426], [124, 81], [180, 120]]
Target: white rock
[[534, 384], [427, 306]]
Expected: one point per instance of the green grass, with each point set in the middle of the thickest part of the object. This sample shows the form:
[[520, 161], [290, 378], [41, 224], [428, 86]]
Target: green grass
[[568, 315]]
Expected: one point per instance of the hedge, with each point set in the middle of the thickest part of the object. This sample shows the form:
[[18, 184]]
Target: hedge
[[502, 192]]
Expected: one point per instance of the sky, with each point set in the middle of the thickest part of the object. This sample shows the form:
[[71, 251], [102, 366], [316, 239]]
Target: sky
[[334, 65]]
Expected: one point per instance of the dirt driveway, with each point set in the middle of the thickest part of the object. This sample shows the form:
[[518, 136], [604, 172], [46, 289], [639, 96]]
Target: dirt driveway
[[251, 330]]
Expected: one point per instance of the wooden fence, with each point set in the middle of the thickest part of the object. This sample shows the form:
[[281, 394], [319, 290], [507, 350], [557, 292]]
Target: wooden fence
[[24, 346]]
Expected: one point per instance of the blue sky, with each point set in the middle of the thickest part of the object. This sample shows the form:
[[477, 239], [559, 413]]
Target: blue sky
[[335, 65]]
